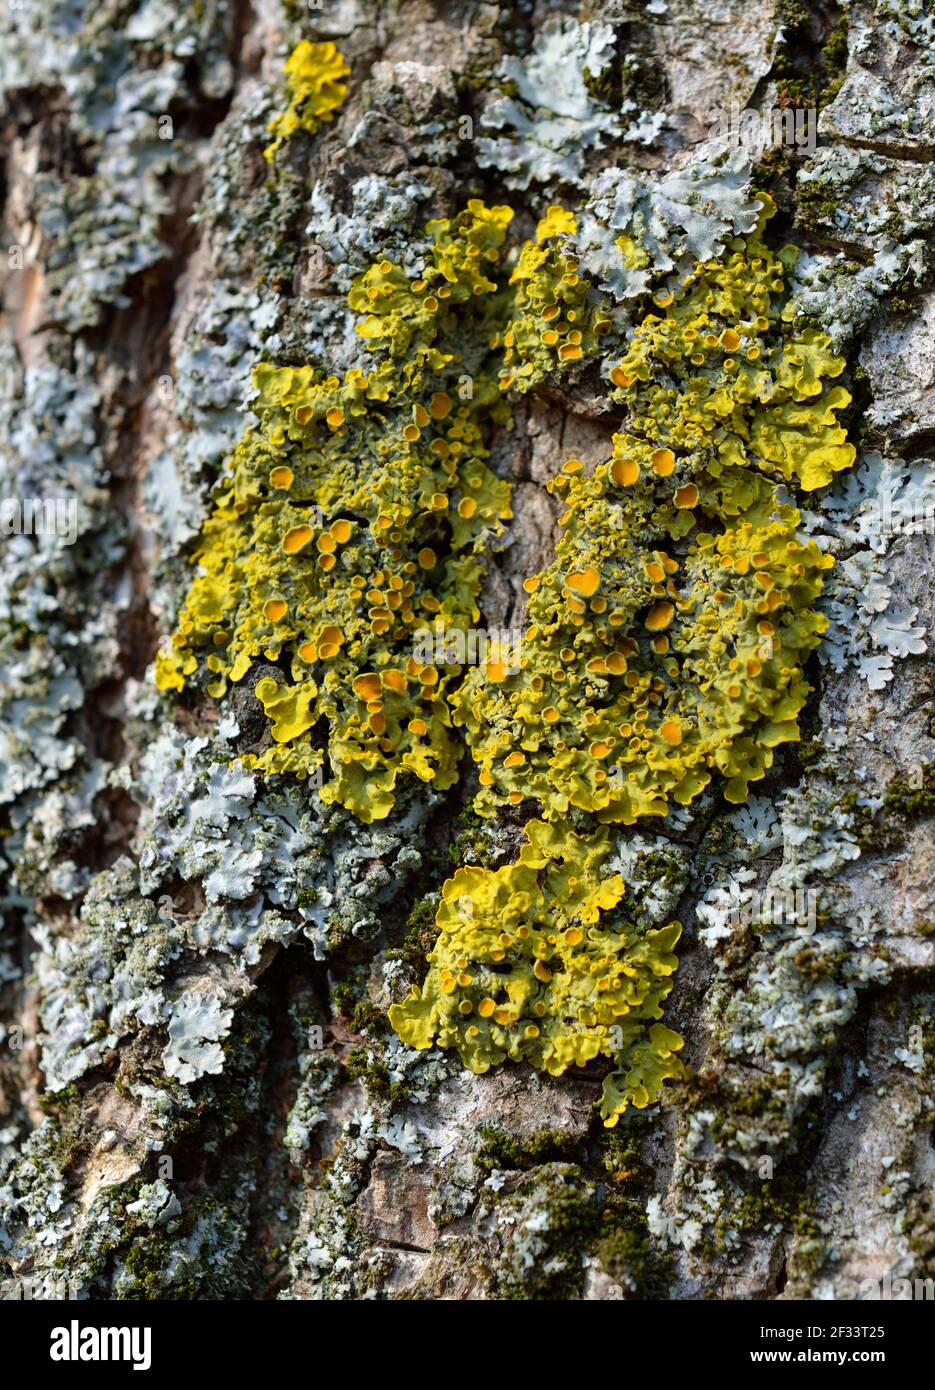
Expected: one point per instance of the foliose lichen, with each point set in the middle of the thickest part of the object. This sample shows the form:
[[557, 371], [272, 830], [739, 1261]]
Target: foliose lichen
[[553, 117], [725, 401], [314, 73], [642, 673], [524, 968], [341, 567]]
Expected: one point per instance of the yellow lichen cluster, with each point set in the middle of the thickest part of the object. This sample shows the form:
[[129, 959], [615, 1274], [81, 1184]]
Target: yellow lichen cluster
[[666, 640], [355, 518], [524, 968], [314, 73], [554, 320]]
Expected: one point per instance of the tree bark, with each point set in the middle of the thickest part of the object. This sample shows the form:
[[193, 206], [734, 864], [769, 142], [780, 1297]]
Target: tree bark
[[200, 1095]]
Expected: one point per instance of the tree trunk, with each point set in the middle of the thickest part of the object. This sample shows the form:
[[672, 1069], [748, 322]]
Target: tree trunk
[[201, 1095]]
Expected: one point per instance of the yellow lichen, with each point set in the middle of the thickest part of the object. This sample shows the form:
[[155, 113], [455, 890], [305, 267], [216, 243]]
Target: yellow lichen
[[627, 644], [665, 643], [394, 464], [314, 73], [529, 965]]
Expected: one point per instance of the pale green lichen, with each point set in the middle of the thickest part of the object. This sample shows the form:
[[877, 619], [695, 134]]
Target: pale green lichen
[[867, 516], [127, 93], [636, 228], [552, 118]]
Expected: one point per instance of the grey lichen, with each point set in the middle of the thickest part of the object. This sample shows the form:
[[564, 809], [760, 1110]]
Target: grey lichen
[[637, 227], [120, 73], [552, 118]]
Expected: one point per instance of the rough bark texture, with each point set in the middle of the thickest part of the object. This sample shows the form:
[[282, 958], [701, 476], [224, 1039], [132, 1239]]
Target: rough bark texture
[[200, 1095]]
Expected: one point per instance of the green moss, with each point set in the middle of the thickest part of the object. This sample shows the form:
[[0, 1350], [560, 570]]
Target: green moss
[[343, 998], [806, 77], [420, 935], [835, 47], [814, 964], [908, 801], [625, 1249], [145, 1263], [783, 1201], [629, 1256], [811, 751], [55, 1101], [368, 1018], [470, 845], [816, 205], [365, 1064], [560, 1210], [757, 1098], [197, 1274], [497, 1149], [904, 803]]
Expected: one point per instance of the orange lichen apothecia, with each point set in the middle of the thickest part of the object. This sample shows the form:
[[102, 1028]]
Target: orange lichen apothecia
[[667, 639], [357, 515]]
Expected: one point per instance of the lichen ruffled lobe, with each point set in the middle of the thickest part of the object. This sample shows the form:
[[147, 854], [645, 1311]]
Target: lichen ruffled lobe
[[358, 513], [314, 73]]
